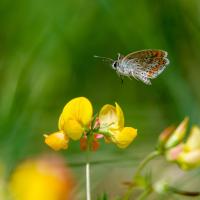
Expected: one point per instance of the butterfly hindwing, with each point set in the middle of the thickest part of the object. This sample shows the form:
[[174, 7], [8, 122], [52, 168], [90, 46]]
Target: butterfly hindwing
[[156, 67]]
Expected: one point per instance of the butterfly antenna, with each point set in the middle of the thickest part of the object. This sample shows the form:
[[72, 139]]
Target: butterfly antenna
[[105, 59]]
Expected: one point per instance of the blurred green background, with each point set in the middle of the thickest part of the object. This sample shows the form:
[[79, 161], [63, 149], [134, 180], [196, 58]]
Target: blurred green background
[[46, 59]]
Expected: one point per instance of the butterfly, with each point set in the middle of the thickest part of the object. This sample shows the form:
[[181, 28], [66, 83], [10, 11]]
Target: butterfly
[[142, 65]]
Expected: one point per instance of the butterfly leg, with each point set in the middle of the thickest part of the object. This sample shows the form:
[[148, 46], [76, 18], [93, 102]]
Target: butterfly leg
[[119, 56], [122, 78], [130, 75]]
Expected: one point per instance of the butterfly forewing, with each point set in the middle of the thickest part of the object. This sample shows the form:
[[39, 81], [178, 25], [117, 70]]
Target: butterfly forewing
[[146, 54]]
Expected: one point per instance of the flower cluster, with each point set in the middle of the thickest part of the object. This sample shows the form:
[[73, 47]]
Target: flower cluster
[[77, 122], [185, 153]]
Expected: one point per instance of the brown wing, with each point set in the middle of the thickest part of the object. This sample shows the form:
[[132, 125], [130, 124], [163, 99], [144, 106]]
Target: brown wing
[[146, 54]]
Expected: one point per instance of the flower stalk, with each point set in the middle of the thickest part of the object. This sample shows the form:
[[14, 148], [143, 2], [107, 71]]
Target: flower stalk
[[87, 167], [144, 162], [145, 194], [137, 176], [88, 190]]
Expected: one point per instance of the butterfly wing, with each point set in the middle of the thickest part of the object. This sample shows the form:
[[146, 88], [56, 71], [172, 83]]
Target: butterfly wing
[[147, 64], [146, 54]]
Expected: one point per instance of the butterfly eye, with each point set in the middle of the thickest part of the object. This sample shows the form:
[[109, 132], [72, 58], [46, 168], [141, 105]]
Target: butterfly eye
[[114, 65]]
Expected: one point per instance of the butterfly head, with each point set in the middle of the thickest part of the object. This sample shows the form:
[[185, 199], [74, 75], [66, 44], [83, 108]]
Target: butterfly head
[[115, 64]]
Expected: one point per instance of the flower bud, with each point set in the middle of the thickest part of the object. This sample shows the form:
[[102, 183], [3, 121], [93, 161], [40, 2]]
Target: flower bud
[[178, 135], [165, 135]]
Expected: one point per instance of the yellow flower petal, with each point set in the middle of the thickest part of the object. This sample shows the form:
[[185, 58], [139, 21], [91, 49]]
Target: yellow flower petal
[[57, 140], [193, 141], [120, 116], [73, 129], [61, 122], [79, 109], [108, 117], [125, 137], [111, 118]]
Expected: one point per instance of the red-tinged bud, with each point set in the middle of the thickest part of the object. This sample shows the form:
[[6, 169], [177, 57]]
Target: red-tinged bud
[[83, 143], [178, 135], [165, 135], [95, 145]]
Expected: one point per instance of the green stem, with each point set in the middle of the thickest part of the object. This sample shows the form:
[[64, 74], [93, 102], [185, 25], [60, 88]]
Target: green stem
[[148, 158], [145, 194], [144, 162]]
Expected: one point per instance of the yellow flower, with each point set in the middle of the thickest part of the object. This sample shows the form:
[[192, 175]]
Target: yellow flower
[[111, 121], [46, 178], [77, 120], [74, 119]]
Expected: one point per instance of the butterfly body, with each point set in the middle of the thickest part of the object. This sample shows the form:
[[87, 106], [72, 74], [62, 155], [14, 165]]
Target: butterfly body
[[142, 65]]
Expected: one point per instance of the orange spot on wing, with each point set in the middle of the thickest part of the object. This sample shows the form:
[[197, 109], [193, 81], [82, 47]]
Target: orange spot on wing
[[158, 54], [154, 69]]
